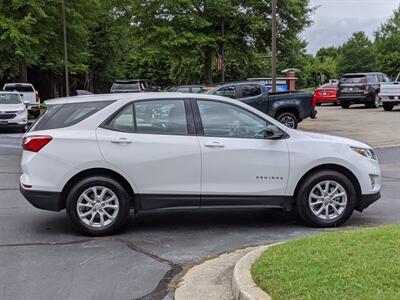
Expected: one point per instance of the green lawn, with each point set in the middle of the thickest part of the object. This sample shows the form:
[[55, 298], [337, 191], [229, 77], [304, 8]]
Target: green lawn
[[357, 264]]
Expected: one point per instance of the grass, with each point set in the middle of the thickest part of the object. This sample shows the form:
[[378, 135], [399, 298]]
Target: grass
[[359, 264]]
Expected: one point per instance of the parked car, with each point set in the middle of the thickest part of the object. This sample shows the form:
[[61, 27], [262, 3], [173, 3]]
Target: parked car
[[13, 112], [134, 86], [326, 93], [100, 156], [28, 94], [390, 94], [195, 89], [363, 88], [289, 108]]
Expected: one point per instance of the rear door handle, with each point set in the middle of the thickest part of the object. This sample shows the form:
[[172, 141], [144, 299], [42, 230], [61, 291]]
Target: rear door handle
[[121, 141], [214, 145]]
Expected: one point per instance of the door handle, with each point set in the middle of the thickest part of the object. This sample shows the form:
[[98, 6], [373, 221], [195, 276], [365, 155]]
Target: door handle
[[121, 141], [214, 145]]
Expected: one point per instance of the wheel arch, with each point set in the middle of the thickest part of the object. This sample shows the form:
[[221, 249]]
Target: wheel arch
[[349, 174], [290, 109], [96, 172]]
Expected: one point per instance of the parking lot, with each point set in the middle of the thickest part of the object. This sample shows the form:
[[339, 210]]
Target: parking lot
[[155, 248]]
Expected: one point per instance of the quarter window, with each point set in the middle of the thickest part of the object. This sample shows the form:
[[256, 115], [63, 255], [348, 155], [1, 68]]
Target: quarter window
[[225, 120], [124, 120]]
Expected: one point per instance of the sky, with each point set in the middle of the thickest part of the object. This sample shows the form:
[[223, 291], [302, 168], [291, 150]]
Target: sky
[[336, 20]]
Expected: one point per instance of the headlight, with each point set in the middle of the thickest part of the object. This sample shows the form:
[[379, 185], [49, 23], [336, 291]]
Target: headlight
[[20, 112], [368, 153]]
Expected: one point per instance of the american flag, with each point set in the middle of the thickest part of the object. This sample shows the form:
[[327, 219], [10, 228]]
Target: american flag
[[219, 62]]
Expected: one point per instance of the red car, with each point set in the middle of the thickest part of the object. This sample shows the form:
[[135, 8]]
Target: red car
[[326, 94]]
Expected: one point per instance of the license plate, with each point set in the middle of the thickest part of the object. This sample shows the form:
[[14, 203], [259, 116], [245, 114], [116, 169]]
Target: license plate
[[350, 89], [3, 122], [396, 98], [324, 94]]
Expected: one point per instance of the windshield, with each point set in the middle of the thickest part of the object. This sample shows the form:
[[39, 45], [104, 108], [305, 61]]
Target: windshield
[[134, 87], [354, 79], [18, 87], [10, 99]]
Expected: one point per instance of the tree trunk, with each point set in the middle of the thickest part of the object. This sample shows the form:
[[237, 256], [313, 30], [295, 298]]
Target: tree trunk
[[207, 66], [23, 73]]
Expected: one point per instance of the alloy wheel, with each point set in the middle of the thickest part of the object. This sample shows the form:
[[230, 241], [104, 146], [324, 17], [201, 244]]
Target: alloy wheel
[[98, 207], [328, 200]]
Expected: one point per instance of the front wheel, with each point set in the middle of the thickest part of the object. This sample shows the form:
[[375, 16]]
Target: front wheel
[[387, 106], [344, 104], [98, 205], [326, 198], [288, 119]]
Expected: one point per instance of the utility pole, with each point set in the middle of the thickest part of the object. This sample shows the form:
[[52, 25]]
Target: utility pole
[[65, 49], [222, 50], [273, 44]]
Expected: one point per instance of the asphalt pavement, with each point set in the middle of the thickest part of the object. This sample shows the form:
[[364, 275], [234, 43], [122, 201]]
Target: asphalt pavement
[[42, 257]]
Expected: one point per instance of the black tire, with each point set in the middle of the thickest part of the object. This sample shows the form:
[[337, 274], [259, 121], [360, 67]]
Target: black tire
[[388, 106], [345, 104], [335, 103], [373, 101], [288, 119], [304, 209], [102, 181]]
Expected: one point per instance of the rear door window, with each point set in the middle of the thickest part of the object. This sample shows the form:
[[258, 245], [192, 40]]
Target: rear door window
[[250, 90], [372, 78], [68, 114]]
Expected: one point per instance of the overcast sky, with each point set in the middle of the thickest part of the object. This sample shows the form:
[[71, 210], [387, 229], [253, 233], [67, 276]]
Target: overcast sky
[[336, 20]]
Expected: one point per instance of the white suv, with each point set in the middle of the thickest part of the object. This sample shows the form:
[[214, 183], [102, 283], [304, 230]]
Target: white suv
[[13, 113], [99, 156]]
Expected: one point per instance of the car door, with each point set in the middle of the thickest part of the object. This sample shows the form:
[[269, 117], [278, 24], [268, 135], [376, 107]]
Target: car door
[[252, 95], [239, 165], [153, 141]]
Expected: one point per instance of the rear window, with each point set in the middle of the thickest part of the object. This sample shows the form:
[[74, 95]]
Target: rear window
[[328, 86], [353, 79], [10, 99], [133, 87], [19, 88], [64, 115]]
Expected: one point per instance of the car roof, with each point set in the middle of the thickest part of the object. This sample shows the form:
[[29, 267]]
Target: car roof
[[9, 92], [238, 83], [187, 85], [362, 74], [127, 97], [129, 80], [19, 83]]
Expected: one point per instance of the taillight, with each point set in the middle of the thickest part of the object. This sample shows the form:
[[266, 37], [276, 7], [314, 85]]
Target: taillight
[[37, 97], [36, 142]]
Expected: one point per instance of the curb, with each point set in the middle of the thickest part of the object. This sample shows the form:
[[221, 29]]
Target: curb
[[243, 285]]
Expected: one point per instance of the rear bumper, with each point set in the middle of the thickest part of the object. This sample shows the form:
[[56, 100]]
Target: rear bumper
[[353, 98], [13, 126], [367, 200], [43, 199]]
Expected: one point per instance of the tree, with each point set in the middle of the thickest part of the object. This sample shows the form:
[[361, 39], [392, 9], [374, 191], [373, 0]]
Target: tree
[[387, 40], [357, 54], [186, 28]]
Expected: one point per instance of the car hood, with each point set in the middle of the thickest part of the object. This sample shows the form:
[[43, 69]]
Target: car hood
[[337, 139], [11, 107]]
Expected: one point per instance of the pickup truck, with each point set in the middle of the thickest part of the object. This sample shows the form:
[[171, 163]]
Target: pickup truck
[[390, 94], [289, 108], [28, 95]]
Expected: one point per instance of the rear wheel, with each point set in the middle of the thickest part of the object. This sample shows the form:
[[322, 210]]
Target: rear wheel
[[374, 101], [387, 106], [326, 198], [98, 205], [344, 104], [288, 119]]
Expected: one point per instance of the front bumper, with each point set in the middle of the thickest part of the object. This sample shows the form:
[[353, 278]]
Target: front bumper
[[367, 200], [43, 199]]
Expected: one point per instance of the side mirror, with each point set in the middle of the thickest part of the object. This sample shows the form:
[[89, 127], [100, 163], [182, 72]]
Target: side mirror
[[273, 133]]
